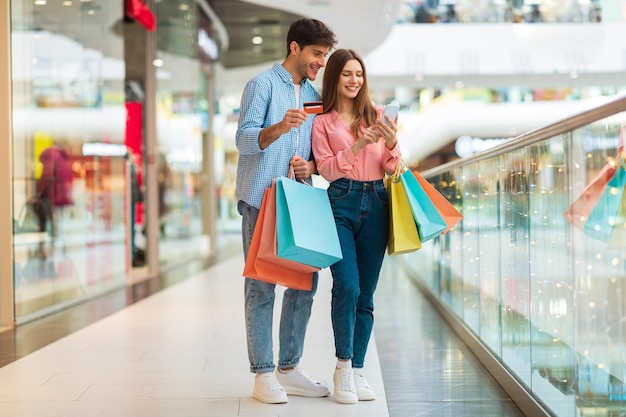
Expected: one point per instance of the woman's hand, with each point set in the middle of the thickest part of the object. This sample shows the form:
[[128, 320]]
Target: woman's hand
[[370, 135], [387, 132]]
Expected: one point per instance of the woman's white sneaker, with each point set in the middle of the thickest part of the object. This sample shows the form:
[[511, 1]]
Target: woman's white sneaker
[[345, 392], [268, 390], [363, 390]]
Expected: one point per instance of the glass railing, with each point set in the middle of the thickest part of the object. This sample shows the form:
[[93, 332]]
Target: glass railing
[[543, 299]]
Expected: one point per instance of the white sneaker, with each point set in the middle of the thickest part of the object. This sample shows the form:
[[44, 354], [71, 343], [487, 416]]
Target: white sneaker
[[363, 389], [297, 382], [345, 391], [267, 389]]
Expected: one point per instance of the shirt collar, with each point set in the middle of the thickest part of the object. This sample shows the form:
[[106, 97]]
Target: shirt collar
[[286, 76]]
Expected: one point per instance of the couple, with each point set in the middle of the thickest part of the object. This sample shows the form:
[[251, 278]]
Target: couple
[[352, 149]]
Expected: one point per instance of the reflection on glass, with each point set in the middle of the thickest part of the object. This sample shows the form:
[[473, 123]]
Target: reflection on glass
[[551, 302], [182, 124], [69, 223], [488, 286]]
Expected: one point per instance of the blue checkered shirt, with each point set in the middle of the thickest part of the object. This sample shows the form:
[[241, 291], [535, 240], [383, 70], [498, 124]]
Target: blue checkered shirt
[[265, 100]]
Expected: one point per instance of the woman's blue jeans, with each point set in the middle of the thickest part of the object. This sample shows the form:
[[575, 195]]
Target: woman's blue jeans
[[259, 312], [361, 211]]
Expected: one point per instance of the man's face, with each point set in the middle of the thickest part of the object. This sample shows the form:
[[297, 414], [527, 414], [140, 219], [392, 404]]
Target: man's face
[[310, 59]]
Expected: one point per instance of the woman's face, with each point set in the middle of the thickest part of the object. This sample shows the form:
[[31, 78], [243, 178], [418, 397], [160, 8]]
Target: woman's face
[[350, 80]]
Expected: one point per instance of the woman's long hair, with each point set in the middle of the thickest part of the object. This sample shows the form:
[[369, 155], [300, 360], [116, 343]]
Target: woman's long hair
[[364, 111]]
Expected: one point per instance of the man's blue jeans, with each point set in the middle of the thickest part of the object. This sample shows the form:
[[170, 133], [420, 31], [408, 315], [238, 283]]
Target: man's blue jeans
[[361, 211], [259, 312]]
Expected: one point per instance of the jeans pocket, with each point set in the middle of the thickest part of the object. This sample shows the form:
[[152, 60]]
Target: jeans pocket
[[337, 193], [382, 196]]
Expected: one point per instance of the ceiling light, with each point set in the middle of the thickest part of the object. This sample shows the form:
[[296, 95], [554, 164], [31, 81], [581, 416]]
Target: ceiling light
[[40, 2], [157, 62], [184, 7], [67, 3], [257, 40]]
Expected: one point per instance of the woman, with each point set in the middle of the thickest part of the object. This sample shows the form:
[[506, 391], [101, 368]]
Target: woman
[[353, 149]]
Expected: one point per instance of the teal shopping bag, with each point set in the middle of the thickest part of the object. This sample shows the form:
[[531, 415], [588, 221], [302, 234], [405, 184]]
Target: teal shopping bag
[[607, 213], [430, 224], [305, 225]]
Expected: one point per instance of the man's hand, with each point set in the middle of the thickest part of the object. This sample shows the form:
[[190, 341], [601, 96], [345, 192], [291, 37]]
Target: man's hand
[[293, 118], [302, 169]]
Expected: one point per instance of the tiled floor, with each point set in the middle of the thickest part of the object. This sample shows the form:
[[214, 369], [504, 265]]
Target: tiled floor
[[427, 370], [181, 352]]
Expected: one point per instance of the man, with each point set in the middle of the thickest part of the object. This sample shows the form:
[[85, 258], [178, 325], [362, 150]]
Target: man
[[274, 135]]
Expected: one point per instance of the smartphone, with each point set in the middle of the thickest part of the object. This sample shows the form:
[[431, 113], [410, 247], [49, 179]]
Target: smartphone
[[391, 110]]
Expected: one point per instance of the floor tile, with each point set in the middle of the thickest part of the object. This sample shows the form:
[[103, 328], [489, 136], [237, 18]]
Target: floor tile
[[182, 352], [427, 370]]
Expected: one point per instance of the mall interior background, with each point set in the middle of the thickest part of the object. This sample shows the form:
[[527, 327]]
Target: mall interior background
[[136, 102]]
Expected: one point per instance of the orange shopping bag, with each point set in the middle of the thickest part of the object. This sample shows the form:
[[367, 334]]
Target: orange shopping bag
[[578, 212], [266, 271], [448, 212], [267, 247]]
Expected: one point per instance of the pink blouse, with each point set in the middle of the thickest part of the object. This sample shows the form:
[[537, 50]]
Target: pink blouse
[[332, 141]]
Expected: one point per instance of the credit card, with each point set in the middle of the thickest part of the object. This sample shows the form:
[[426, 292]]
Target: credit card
[[313, 107]]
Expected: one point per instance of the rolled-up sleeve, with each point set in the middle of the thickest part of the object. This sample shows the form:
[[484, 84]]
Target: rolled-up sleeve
[[254, 101]]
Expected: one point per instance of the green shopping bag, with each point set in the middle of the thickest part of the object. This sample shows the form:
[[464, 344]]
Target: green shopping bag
[[430, 224], [578, 212], [305, 226], [607, 213], [617, 239]]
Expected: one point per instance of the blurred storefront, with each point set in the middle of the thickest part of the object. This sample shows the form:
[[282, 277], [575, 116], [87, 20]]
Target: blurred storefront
[[111, 150]]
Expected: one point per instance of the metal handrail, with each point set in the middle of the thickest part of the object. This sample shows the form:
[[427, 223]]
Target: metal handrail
[[537, 135]]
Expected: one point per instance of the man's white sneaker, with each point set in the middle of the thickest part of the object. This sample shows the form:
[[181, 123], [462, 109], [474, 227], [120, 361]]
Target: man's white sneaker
[[345, 392], [297, 382], [363, 389], [267, 389]]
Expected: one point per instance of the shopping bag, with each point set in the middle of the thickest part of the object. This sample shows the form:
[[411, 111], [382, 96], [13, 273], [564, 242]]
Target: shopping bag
[[403, 234], [578, 212], [35, 216], [267, 271], [305, 226], [606, 211], [617, 238], [267, 246], [448, 212], [430, 224]]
